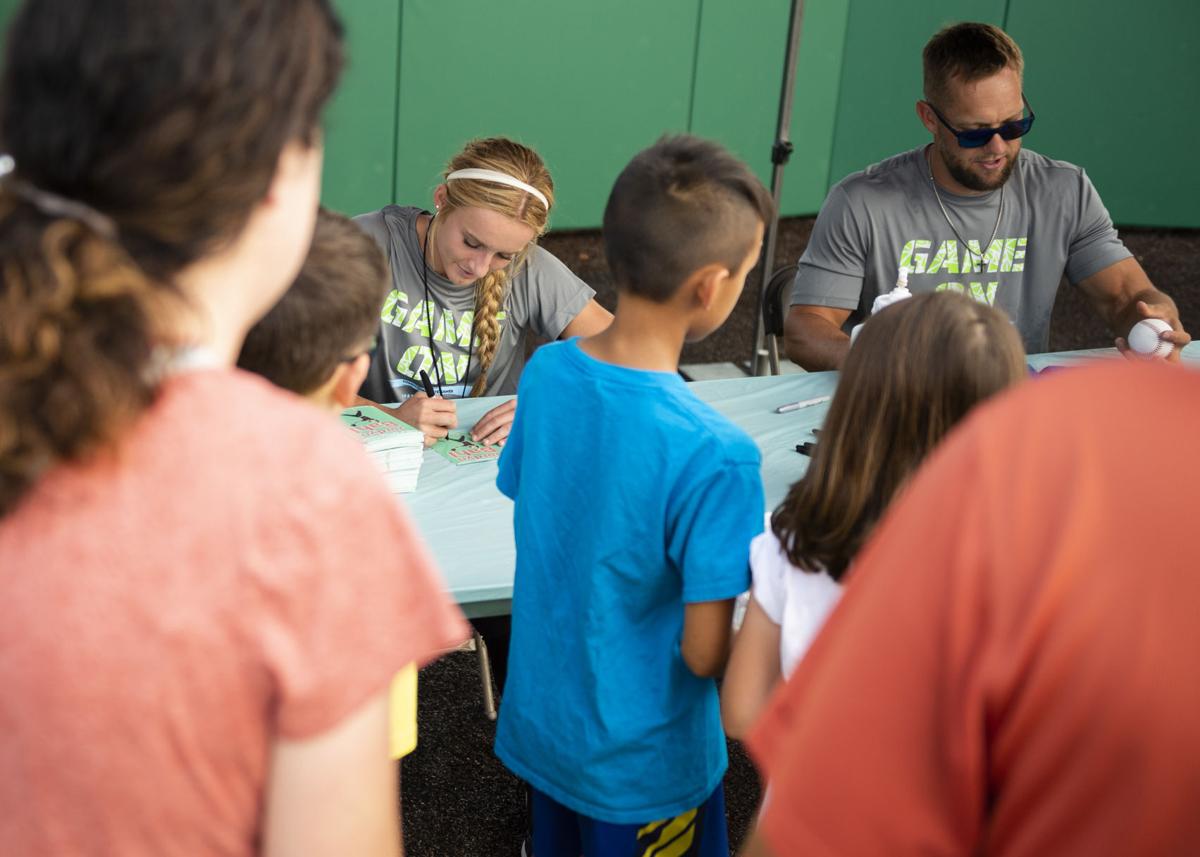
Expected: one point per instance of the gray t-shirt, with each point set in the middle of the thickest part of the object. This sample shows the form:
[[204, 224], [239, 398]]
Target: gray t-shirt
[[875, 221], [433, 331]]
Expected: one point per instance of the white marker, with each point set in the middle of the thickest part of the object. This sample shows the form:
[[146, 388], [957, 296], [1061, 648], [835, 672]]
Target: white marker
[[803, 403]]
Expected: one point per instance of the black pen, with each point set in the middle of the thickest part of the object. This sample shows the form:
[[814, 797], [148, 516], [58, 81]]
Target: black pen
[[428, 384]]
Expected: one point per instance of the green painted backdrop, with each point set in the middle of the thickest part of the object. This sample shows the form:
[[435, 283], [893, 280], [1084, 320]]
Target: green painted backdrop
[[1113, 84], [590, 83], [587, 85]]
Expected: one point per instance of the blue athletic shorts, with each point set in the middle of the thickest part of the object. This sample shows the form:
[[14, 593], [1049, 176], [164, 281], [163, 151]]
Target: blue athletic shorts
[[562, 832]]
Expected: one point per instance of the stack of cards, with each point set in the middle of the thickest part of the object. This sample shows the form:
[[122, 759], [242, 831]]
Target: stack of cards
[[394, 446], [463, 450]]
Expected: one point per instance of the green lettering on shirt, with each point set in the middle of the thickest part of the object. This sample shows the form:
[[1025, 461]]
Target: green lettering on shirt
[[974, 259], [454, 334], [911, 259], [464, 330], [418, 318], [1006, 261], [418, 357], [393, 312], [404, 366], [1019, 255], [985, 295], [452, 367], [946, 257], [462, 333], [978, 291]]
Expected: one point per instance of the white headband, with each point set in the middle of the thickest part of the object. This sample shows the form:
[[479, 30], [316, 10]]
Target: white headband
[[500, 178]]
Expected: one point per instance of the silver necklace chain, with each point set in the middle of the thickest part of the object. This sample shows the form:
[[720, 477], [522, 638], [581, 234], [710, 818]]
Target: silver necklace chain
[[978, 257]]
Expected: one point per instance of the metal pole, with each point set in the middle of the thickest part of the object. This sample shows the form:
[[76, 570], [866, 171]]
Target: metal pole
[[781, 151]]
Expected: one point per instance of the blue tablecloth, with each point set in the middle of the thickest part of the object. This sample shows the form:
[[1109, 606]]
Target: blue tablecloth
[[468, 523]]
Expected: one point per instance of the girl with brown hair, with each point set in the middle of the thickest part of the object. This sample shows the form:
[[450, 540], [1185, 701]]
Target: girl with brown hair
[[468, 281], [191, 664], [917, 369]]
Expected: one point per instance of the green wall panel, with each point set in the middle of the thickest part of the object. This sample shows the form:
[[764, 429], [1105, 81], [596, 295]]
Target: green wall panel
[[815, 104], [360, 123], [590, 84], [7, 8], [1114, 88], [739, 63], [587, 85], [739, 67], [881, 75]]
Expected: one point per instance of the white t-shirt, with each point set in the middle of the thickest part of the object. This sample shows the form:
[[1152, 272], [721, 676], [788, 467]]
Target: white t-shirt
[[797, 601]]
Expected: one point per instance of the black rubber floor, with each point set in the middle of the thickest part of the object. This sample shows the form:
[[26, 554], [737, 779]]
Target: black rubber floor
[[459, 801]]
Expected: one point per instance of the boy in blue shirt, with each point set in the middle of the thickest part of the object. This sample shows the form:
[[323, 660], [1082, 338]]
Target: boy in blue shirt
[[635, 507]]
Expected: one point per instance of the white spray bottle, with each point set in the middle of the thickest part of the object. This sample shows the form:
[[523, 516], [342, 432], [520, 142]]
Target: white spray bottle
[[898, 293]]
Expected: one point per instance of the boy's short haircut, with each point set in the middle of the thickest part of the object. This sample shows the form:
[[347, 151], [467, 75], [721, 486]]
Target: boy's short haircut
[[679, 205], [329, 314], [967, 52]]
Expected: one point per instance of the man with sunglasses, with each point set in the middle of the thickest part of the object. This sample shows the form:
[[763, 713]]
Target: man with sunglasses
[[969, 212]]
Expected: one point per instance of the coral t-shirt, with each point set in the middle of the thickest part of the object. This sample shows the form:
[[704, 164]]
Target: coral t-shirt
[[234, 571], [1013, 669]]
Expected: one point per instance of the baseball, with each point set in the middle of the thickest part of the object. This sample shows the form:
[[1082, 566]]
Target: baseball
[[1143, 337]]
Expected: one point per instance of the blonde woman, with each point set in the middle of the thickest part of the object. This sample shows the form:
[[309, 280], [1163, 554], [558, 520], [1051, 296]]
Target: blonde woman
[[468, 281]]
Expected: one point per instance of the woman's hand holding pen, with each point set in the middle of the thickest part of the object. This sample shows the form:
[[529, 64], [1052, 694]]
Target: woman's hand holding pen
[[494, 426], [433, 416]]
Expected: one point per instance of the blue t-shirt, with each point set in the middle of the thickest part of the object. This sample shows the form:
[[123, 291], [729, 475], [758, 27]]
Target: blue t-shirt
[[633, 498]]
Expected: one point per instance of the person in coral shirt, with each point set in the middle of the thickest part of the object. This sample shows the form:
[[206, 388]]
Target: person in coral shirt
[[1012, 670]]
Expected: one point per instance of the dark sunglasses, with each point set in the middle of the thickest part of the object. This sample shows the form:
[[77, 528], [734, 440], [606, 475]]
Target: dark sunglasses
[[976, 137]]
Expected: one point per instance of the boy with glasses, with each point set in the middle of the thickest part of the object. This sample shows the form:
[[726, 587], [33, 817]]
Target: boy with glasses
[[317, 343], [970, 212]]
